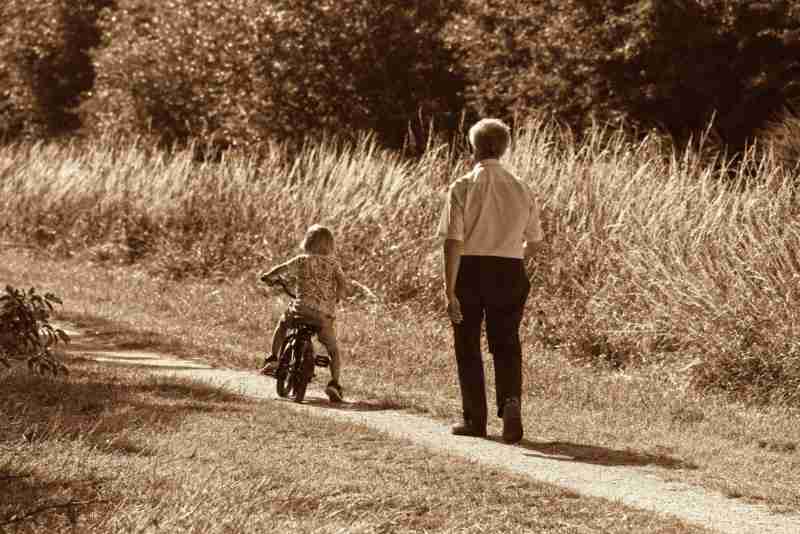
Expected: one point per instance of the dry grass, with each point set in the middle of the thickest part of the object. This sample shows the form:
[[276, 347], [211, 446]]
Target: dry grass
[[646, 417], [649, 250], [120, 451], [663, 317]]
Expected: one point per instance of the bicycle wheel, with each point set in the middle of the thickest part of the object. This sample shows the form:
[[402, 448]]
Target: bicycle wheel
[[305, 368], [283, 372]]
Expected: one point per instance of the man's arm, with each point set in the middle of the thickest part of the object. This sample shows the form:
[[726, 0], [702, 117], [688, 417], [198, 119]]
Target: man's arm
[[452, 261]]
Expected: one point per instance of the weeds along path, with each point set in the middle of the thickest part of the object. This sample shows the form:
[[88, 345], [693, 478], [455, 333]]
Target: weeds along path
[[617, 477]]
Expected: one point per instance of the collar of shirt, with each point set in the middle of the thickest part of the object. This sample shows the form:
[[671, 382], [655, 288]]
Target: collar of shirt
[[491, 162]]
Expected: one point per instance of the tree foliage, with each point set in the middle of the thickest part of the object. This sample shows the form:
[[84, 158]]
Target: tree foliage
[[667, 64], [45, 68], [25, 330], [245, 71], [365, 65], [179, 69]]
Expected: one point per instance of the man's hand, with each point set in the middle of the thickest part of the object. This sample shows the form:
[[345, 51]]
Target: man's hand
[[454, 309], [451, 264], [533, 249]]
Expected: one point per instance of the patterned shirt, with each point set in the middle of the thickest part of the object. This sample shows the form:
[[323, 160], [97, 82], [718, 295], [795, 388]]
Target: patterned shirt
[[491, 211], [318, 281]]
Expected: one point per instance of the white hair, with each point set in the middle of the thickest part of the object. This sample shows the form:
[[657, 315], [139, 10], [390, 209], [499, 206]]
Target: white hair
[[490, 137]]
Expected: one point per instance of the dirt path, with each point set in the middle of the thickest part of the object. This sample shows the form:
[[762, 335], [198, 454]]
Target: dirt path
[[624, 479]]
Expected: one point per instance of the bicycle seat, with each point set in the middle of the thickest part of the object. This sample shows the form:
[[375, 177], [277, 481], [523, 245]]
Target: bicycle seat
[[299, 322], [298, 318]]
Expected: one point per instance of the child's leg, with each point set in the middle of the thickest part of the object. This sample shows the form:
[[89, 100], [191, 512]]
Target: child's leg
[[279, 335], [336, 366], [327, 336]]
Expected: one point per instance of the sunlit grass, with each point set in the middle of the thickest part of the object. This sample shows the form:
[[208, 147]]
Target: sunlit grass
[[121, 451], [648, 249], [400, 357], [667, 278]]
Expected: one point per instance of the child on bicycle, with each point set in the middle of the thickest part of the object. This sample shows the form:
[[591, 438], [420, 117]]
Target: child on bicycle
[[319, 285]]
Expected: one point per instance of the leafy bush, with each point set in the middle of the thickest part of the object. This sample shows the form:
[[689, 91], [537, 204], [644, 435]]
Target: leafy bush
[[25, 330]]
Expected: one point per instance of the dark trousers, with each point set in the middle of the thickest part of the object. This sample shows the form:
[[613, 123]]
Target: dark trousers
[[496, 289]]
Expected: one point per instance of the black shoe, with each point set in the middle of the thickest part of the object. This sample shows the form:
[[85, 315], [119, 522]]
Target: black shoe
[[512, 421], [270, 365], [334, 391], [468, 429]]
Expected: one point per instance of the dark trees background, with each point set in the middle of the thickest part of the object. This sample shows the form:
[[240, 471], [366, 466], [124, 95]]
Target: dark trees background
[[244, 72], [45, 66], [241, 73], [349, 65], [673, 65]]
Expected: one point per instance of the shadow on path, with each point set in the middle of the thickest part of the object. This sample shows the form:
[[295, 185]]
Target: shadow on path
[[349, 406], [564, 451], [92, 334]]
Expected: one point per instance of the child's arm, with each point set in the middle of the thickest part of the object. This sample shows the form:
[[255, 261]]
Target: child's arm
[[347, 288], [275, 271], [364, 290]]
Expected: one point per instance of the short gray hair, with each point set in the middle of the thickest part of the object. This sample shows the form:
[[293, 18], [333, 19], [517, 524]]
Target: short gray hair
[[490, 137]]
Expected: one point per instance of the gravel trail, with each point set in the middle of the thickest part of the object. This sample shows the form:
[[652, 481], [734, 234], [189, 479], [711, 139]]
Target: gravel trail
[[628, 482]]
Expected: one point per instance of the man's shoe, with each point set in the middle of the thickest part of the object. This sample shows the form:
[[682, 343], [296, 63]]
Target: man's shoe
[[334, 391], [467, 429], [512, 421]]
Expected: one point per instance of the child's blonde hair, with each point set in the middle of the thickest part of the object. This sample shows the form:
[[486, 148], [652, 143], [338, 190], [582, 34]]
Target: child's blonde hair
[[318, 240], [490, 137]]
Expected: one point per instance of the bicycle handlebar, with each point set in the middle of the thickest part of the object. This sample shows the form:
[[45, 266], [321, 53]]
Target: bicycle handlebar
[[278, 281]]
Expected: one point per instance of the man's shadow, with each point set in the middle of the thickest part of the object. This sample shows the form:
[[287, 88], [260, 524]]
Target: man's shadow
[[564, 451]]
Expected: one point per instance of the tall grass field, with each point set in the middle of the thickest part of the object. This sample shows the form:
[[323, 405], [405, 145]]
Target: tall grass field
[[652, 256], [660, 331]]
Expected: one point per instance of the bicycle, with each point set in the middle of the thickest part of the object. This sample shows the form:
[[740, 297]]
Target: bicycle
[[296, 360]]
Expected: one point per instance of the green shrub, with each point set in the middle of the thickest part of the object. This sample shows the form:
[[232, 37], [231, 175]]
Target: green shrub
[[25, 330]]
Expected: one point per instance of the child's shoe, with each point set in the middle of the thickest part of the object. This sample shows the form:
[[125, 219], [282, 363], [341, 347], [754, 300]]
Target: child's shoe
[[334, 391], [270, 365]]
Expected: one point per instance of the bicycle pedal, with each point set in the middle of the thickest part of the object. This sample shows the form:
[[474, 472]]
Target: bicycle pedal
[[321, 360]]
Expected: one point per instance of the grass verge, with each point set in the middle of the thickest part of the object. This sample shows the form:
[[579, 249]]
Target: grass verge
[[118, 450], [645, 417]]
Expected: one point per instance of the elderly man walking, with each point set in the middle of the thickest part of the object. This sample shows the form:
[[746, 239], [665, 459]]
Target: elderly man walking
[[490, 223]]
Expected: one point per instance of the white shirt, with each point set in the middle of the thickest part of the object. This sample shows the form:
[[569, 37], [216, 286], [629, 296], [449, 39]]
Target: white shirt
[[492, 212]]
